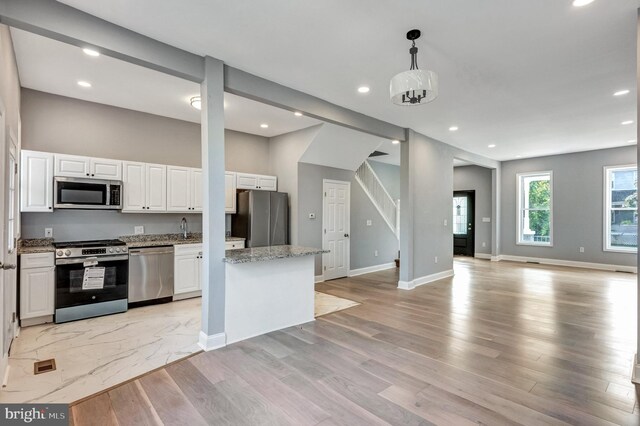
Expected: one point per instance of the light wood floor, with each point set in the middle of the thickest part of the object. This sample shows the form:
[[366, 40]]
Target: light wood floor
[[500, 343]]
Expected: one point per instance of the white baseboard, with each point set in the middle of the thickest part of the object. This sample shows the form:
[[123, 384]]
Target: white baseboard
[[370, 269], [319, 278], [496, 258], [209, 343], [410, 285], [482, 256], [635, 371], [571, 263]]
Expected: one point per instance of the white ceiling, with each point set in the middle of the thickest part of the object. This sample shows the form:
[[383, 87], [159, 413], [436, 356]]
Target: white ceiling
[[54, 67], [532, 77]]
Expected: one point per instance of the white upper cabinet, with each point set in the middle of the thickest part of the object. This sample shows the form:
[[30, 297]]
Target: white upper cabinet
[[145, 187], [87, 167], [195, 184], [178, 189], [259, 182], [230, 192], [36, 181]]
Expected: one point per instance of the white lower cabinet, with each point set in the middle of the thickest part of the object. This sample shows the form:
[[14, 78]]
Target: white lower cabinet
[[37, 288], [233, 245], [187, 264]]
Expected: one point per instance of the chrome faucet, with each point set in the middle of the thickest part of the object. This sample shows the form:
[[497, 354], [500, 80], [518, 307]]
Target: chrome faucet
[[183, 227]]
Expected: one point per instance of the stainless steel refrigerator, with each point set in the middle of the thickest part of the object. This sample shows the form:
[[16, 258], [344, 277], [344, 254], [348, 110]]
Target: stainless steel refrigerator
[[262, 218]]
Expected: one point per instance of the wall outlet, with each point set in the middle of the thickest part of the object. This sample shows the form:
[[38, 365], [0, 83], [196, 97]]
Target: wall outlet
[[369, 224], [312, 216], [445, 222], [484, 244], [137, 230], [48, 232], [436, 259], [581, 249], [486, 219], [375, 253]]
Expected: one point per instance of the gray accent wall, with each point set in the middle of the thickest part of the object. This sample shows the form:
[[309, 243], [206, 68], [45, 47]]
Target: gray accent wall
[[389, 175], [365, 240], [578, 206], [64, 125], [478, 179]]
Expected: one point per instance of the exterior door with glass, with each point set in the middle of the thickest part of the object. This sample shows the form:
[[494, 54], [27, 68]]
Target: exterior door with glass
[[463, 223]]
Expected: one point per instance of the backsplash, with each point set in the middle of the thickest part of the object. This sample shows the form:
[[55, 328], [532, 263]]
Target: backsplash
[[71, 225]]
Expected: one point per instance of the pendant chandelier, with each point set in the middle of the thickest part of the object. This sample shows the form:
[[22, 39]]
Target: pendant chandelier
[[416, 86]]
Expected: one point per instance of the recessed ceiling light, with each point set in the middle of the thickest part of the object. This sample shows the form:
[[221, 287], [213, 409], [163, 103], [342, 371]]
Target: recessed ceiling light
[[395, 142], [83, 83], [518, 156], [91, 52], [621, 92], [297, 114], [492, 145], [264, 125], [624, 123], [580, 3], [453, 128], [632, 141], [196, 102], [363, 89]]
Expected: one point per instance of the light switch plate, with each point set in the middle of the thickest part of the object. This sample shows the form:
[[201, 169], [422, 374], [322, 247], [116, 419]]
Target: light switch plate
[[368, 222], [486, 219], [137, 230], [48, 232]]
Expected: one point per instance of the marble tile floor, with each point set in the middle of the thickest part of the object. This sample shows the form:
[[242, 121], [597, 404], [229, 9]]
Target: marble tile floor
[[98, 353], [327, 304], [95, 354]]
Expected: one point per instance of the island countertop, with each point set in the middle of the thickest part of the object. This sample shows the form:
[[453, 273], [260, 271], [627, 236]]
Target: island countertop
[[259, 254]]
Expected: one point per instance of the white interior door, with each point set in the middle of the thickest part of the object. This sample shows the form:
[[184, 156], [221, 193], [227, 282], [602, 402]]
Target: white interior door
[[335, 221], [11, 232]]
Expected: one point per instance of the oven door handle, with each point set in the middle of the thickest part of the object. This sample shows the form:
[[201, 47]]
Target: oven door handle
[[90, 259]]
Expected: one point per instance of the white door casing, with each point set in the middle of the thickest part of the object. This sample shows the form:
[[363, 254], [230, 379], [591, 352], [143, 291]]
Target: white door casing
[[336, 228]]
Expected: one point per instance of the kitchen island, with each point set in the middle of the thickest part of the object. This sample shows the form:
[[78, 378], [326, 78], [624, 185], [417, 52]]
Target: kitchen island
[[267, 289]]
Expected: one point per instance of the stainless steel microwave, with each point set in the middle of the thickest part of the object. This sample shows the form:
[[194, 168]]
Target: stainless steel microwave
[[93, 194]]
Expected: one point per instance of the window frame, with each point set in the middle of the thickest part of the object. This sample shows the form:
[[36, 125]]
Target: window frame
[[520, 208], [606, 242]]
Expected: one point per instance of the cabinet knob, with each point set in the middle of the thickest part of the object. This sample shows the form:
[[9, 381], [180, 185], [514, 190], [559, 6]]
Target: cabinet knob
[[50, 208], [87, 174], [92, 175]]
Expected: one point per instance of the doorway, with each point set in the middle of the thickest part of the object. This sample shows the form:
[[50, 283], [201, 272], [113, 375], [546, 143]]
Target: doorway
[[463, 223], [335, 224]]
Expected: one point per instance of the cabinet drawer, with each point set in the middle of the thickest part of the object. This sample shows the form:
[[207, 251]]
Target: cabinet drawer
[[234, 245], [36, 260], [187, 249]]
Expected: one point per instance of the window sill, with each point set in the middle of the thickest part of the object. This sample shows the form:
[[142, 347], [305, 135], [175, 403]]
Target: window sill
[[534, 244], [614, 250]]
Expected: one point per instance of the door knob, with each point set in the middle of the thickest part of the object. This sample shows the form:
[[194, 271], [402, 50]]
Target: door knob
[[346, 235]]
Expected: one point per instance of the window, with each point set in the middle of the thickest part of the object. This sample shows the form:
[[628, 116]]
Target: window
[[621, 209], [535, 214]]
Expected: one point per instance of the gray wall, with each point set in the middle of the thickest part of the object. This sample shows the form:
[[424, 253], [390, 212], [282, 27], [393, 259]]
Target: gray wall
[[477, 179], [364, 239], [58, 124], [284, 153], [427, 186], [578, 207]]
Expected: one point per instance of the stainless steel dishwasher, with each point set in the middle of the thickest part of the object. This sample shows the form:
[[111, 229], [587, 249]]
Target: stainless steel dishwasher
[[150, 274]]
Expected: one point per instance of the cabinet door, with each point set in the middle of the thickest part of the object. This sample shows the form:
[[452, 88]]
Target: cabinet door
[[267, 183], [72, 166], [230, 192], [199, 271], [36, 181], [178, 189], [102, 168], [246, 181], [156, 187], [196, 190], [186, 274], [134, 182], [36, 292]]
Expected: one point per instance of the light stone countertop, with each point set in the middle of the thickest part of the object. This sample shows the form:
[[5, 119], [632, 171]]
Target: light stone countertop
[[259, 254], [154, 240]]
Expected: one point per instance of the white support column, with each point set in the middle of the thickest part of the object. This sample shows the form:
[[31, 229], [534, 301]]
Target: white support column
[[635, 374], [407, 176], [496, 182], [212, 334]]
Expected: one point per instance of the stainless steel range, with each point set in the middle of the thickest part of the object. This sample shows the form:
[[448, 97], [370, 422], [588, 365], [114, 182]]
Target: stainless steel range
[[91, 279]]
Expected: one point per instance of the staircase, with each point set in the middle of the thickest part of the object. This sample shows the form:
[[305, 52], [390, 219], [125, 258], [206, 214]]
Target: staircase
[[375, 190]]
